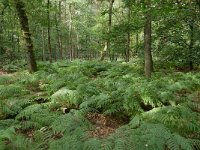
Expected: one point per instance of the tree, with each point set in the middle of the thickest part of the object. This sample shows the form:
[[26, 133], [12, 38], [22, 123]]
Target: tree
[[147, 41], [1, 29], [3, 8], [49, 31], [128, 33], [57, 22], [21, 12], [107, 43], [70, 32], [81, 28]]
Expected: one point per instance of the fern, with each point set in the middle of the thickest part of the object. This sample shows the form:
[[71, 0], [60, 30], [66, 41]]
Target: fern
[[92, 144], [70, 122], [176, 142], [67, 142], [25, 125], [148, 136], [11, 91], [28, 111], [178, 118], [4, 124], [4, 80], [65, 97], [119, 89]]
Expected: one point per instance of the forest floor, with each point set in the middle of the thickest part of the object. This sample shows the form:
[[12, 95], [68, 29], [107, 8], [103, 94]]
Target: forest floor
[[104, 125], [2, 72], [99, 105]]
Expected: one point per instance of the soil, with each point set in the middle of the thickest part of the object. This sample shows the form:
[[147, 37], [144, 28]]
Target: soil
[[2, 72], [28, 133], [104, 125]]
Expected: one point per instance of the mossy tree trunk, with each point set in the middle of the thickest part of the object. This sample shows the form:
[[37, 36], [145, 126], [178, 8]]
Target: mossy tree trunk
[[20, 8]]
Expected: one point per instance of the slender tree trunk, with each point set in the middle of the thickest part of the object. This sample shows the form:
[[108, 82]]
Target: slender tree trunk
[[137, 43], [190, 62], [78, 45], [128, 35], [12, 36], [43, 46], [20, 7], [58, 35], [1, 29], [70, 33], [103, 53], [107, 43], [18, 46], [66, 47], [49, 32], [1, 39], [12, 43], [147, 42], [60, 38], [57, 21]]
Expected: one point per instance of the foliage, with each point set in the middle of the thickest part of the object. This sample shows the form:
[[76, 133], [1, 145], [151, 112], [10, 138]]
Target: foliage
[[163, 111]]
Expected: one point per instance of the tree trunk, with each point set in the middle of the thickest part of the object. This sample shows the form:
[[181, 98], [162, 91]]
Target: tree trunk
[[103, 53], [57, 22], [43, 46], [107, 43], [147, 42], [137, 43], [128, 35], [1, 29], [70, 33], [78, 45], [66, 38], [20, 7], [48, 31], [190, 62], [60, 38]]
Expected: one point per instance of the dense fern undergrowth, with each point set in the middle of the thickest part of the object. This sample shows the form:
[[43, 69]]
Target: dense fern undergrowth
[[163, 113]]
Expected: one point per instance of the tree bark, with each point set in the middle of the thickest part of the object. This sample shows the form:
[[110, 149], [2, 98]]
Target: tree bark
[[20, 7], [147, 42]]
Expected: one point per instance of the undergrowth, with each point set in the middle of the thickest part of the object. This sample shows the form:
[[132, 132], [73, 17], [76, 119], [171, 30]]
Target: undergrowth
[[47, 109]]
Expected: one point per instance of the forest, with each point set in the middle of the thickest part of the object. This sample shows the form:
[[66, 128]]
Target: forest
[[99, 74]]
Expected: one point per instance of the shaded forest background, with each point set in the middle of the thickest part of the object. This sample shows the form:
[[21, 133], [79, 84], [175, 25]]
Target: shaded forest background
[[115, 29]]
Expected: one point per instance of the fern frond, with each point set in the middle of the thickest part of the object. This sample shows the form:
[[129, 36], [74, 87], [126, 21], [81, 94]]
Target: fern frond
[[11, 91], [176, 142], [4, 80], [28, 111], [92, 144]]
